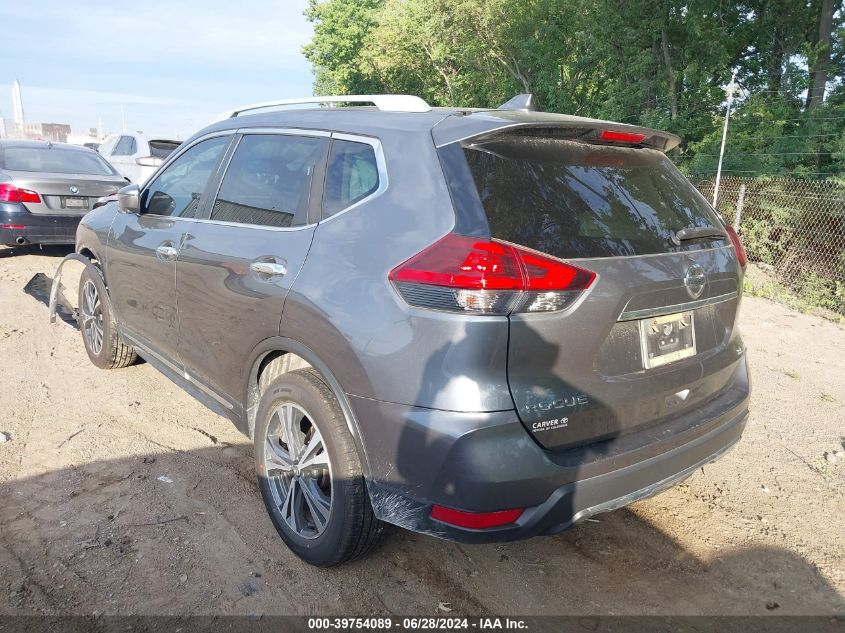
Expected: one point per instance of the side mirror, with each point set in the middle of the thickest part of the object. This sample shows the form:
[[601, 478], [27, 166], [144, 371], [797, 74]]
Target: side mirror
[[129, 199]]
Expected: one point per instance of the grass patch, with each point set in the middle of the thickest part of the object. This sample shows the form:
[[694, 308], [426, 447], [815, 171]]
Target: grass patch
[[758, 283]]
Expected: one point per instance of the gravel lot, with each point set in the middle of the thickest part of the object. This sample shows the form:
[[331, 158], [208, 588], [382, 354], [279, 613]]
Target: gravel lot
[[87, 525]]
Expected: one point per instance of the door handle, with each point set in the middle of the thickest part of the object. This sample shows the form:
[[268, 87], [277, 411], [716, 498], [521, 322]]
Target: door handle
[[166, 253], [271, 269]]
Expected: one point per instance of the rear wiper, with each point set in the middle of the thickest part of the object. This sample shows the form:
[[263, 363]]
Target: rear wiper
[[698, 233]]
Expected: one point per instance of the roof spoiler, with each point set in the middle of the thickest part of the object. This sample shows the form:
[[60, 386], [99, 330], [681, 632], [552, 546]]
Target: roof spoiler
[[523, 102]]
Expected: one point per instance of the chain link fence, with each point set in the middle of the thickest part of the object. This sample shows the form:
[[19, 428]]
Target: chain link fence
[[793, 231]]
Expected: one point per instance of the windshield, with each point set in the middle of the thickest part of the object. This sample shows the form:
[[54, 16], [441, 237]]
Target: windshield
[[55, 160]]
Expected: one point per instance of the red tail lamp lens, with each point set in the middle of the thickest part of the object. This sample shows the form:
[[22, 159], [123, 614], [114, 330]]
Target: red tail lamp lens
[[460, 273], [475, 520], [622, 137], [737, 243], [10, 193], [458, 261]]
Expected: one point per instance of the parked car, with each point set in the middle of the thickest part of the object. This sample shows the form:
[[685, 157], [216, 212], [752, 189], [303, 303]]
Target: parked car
[[94, 146], [135, 155], [46, 188], [482, 325]]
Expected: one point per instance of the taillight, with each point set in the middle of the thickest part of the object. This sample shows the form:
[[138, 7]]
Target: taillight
[[459, 273], [149, 161], [738, 247], [475, 520], [10, 193], [622, 137]]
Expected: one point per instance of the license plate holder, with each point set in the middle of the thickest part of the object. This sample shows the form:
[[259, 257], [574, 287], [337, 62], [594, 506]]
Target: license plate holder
[[70, 202], [667, 339]]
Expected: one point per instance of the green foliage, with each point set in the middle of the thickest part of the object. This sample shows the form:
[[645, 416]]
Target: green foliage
[[340, 30], [657, 63]]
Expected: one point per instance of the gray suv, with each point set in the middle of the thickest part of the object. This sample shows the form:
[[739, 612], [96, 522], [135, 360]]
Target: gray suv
[[483, 325]]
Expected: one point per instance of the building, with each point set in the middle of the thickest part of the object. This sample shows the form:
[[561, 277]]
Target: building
[[19, 128], [92, 136], [18, 102]]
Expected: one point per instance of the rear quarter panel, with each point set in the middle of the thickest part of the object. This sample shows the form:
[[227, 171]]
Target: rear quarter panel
[[343, 307]]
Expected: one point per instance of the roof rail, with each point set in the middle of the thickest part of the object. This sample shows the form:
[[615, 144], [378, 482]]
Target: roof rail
[[390, 103]]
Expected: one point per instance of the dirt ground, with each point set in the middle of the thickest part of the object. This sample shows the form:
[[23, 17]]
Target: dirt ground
[[87, 525]]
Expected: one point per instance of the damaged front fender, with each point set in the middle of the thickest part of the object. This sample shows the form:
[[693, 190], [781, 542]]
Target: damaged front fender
[[57, 296]]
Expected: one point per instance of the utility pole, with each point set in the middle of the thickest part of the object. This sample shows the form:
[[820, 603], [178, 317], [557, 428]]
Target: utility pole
[[730, 89], [123, 121]]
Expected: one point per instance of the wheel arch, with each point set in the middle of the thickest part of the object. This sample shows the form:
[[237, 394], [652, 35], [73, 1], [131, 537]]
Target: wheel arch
[[87, 252], [280, 346], [84, 257]]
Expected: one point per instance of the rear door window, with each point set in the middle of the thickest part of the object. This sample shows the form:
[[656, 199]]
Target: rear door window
[[351, 175], [268, 181], [571, 199]]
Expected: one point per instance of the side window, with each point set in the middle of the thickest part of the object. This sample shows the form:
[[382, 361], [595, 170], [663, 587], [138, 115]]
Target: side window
[[268, 181], [108, 146], [125, 146], [351, 175], [178, 190]]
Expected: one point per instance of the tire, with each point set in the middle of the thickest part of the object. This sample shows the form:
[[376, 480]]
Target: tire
[[96, 322], [313, 486]]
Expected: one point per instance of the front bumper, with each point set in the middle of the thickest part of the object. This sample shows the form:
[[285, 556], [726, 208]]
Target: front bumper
[[36, 229], [434, 458]]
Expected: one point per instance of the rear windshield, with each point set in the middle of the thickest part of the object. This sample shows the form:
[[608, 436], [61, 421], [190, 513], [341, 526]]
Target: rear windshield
[[571, 199], [163, 149], [54, 160]]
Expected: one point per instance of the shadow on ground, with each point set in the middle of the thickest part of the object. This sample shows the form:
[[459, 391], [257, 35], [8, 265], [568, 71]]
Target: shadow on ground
[[48, 250], [178, 532]]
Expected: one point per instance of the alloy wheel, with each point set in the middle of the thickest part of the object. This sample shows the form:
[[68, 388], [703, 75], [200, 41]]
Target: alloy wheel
[[298, 468], [92, 317]]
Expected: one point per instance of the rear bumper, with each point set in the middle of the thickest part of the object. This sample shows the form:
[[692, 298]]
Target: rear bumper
[[37, 229], [497, 466]]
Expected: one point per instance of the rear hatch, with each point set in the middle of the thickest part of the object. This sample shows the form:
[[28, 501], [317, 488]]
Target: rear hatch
[[652, 337], [67, 181]]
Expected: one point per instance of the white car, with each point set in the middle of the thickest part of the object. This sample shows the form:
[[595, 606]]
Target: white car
[[135, 155]]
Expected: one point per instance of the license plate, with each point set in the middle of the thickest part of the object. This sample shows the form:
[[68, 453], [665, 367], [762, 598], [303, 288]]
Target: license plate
[[667, 339], [74, 203]]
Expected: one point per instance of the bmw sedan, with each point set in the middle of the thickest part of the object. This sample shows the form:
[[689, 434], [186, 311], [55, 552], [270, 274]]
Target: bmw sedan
[[46, 188]]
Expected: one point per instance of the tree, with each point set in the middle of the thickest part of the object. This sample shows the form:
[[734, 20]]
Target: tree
[[657, 63], [335, 51], [821, 55]]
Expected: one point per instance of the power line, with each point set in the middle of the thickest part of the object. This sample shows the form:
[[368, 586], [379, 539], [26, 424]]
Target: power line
[[774, 154], [801, 90], [773, 173], [764, 137], [809, 118]]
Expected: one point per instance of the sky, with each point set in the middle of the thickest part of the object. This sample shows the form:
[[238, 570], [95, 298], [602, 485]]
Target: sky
[[173, 64]]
